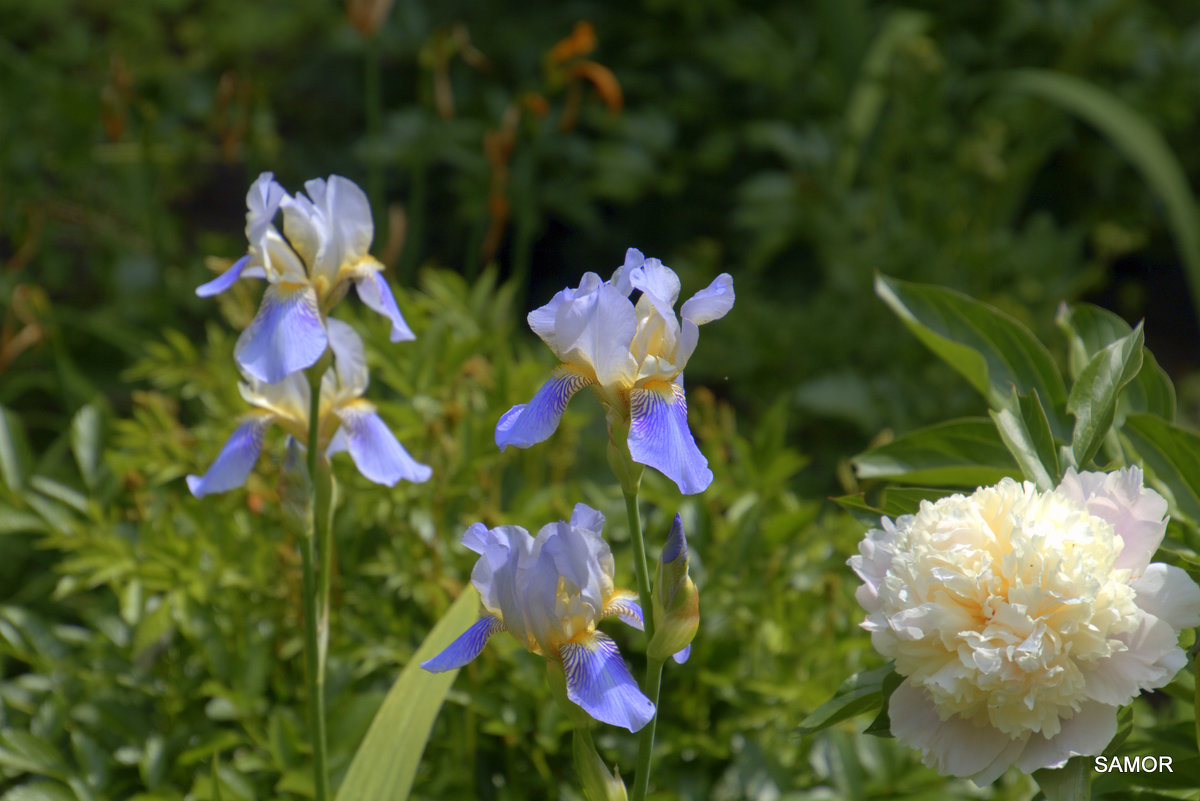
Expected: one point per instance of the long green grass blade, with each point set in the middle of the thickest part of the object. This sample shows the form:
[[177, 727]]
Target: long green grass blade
[[386, 763], [1138, 140]]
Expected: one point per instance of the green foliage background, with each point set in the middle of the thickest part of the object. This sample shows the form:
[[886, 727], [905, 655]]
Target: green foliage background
[[149, 642]]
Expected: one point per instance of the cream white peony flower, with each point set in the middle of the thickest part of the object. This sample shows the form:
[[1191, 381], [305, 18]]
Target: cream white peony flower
[[1021, 620]]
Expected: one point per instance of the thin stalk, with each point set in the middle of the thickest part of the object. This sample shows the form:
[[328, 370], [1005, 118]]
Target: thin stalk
[[373, 110], [314, 652], [653, 682]]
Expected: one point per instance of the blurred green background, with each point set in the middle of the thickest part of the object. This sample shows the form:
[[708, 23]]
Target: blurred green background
[[148, 641]]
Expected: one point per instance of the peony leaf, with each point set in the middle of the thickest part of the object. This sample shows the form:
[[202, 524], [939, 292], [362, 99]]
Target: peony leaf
[[1172, 454], [890, 502], [1088, 330], [1026, 432], [958, 453], [992, 350], [860, 693], [1093, 398], [1071, 782], [385, 764]]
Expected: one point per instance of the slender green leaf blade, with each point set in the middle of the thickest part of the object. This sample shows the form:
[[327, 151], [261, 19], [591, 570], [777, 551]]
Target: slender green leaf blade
[[86, 443], [890, 502], [958, 453], [1138, 140], [860, 693], [1172, 454], [992, 350], [14, 451], [1093, 398], [385, 764], [1026, 433]]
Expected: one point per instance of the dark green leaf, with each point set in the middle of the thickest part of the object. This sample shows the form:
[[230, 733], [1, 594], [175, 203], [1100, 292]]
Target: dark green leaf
[[86, 443], [882, 725], [889, 502], [959, 453], [993, 351], [1172, 454], [1093, 398], [14, 451], [1026, 432], [860, 693], [1071, 782]]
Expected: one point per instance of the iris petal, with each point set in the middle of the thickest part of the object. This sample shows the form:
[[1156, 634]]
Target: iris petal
[[376, 452], [625, 606], [600, 682], [376, 293], [224, 280], [711, 303], [466, 647], [659, 436], [527, 424], [285, 336], [235, 461]]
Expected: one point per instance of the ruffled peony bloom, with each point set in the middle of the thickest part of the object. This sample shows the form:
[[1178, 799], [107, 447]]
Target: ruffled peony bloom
[[632, 357], [347, 422], [549, 593], [328, 236], [1021, 620]]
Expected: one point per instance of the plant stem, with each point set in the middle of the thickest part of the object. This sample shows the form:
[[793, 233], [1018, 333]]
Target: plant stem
[[316, 595], [373, 110], [653, 683]]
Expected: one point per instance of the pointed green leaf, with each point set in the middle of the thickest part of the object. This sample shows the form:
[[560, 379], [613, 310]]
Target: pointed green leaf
[[889, 502], [992, 350], [1088, 330], [1093, 398], [385, 764], [1139, 141], [860, 693], [14, 451], [1026, 433], [1172, 454], [86, 443], [1071, 782], [882, 725], [958, 453]]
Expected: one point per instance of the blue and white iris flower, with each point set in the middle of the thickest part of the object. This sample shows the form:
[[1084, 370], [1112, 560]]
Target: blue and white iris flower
[[346, 422], [632, 357], [328, 234], [549, 593]]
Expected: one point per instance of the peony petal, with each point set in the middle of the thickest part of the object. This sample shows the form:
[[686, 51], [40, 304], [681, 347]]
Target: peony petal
[[711, 303], [600, 682], [1086, 734], [952, 747], [1137, 513], [466, 647], [1168, 593], [375, 450], [1150, 659], [225, 279], [528, 424], [659, 436], [285, 336], [236, 459], [377, 295]]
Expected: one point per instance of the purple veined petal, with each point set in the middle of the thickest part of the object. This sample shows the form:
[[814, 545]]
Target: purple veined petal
[[624, 605], [711, 303], [375, 292], [236, 459], [600, 682], [227, 279], [466, 647], [527, 424], [376, 452], [682, 656], [286, 335], [659, 436]]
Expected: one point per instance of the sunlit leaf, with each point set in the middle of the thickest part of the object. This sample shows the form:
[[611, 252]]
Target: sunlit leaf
[[960, 453], [1093, 398], [860, 693], [1172, 454], [1026, 432]]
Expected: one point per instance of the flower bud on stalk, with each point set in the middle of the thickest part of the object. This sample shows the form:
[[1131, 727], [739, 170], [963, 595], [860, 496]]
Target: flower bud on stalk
[[599, 783], [676, 604]]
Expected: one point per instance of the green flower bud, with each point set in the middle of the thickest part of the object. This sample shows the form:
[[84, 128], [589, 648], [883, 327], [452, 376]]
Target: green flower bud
[[599, 784], [676, 602]]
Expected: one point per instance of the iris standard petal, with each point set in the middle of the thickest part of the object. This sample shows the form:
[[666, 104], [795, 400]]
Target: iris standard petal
[[659, 436], [600, 682], [466, 647], [262, 203], [285, 336], [224, 280], [527, 424], [349, 357], [544, 320], [376, 293], [376, 452], [597, 330], [349, 213], [236, 459], [711, 303]]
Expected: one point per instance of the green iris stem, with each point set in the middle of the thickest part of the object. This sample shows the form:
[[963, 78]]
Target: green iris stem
[[653, 682], [316, 594]]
